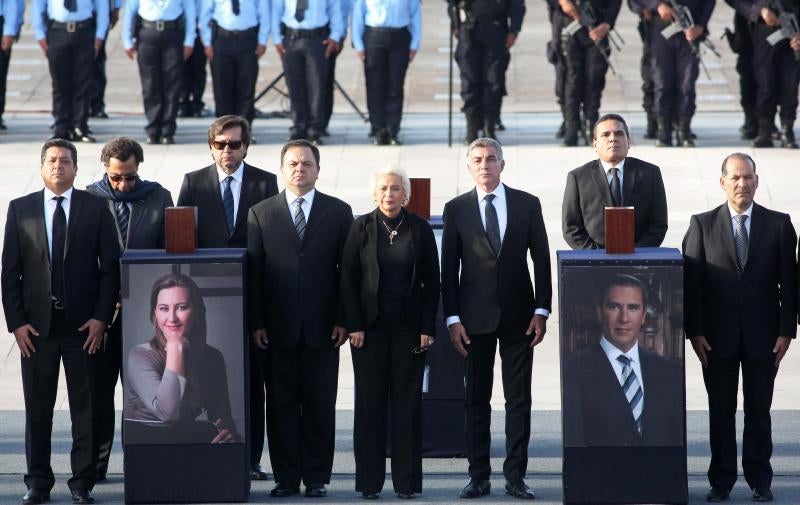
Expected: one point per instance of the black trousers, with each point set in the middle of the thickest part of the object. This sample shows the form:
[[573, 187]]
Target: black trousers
[[329, 88], [99, 82], [385, 68], [744, 64], [160, 57], [259, 371], [777, 76], [585, 77], [40, 384], [388, 378], [234, 70], [306, 70], [517, 365], [71, 60], [482, 58], [675, 70], [5, 59], [194, 78], [648, 96], [302, 413], [109, 365], [722, 385]]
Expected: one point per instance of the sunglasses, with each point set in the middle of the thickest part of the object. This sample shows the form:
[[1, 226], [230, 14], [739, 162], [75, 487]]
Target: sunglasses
[[126, 178], [220, 145]]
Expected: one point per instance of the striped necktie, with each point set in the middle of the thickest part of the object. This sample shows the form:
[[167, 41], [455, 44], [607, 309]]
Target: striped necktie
[[123, 216], [741, 239], [633, 390], [227, 203], [299, 218]]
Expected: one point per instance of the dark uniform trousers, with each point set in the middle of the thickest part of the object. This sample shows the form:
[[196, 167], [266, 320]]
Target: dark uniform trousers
[[585, 76], [482, 58], [40, 385], [385, 68], [71, 59], [160, 57], [306, 70], [5, 59], [108, 367], [98, 90], [388, 374], [234, 70], [744, 65], [777, 75], [329, 85], [648, 100], [675, 70], [194, 79], [517, 365]]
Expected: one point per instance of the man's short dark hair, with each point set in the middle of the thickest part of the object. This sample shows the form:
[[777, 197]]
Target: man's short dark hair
[[623, 280], [60, 143], [610, 117], [223, 123], [739, 156], [300, 143], [121, 148]]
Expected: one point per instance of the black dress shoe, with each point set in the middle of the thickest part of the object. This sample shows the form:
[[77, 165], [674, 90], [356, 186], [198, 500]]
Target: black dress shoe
[[3, 125], [296, 136], [257, 473], [35, 496], [100, 114], [475, 489], [519, 490], [406, 496], [370, 496], [393, 140], [316, 140], [762, 494], [79, 135], [284, 491], [81, 496], [316, 491], [167, 140], [381, 138], [152, 139], [717, 494]]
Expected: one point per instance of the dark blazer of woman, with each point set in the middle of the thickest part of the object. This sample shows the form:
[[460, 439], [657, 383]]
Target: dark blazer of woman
[[360, 275]]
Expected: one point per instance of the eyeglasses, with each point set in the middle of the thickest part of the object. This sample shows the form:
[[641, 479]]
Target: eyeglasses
[[126, 178], [220, 145]]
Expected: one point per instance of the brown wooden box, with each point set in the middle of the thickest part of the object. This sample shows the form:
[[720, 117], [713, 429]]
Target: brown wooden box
[[180, 229], [620, 237], [420, 201]]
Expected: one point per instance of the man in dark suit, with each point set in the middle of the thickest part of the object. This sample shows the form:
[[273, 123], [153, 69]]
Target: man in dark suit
[[617, 393], [137, 207], [60, 282], [488, 233], [613, 180], [223, 194], [740, 309], [295, 243]]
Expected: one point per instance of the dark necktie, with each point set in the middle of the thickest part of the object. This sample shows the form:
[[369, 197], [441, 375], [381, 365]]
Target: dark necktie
[[235, 5], [299, 218], [741, 239], [123, 216], [633, 390], [616, 190], [59, 238], [492, 224], [71, 5], [227, 203], [300, 10]]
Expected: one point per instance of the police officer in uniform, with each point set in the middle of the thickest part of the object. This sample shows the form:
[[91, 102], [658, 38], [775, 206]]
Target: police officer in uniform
[[71, 33], [741, 43], [675, 67], [776, 68], [386, 37], [194, 78], [648, 97], [486, 30], [306, 34], [10, 14], [162, 32], [97, 104], [586, 66], [346, 6], [555, 58], [234, 35]]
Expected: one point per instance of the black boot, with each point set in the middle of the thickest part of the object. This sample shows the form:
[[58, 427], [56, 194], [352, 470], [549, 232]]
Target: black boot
[[570, 134], [588, 129], [473, 125], [652, 127], [749, 129], [561, 130], [489, 128], [664, 132], [787, 135], [764, 137], [685, 132]]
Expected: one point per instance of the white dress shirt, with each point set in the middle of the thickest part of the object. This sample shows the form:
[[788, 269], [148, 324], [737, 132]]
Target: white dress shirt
[[607, 172], [613, 352], [50, 210], [308, 199], [748, 213], [236, 186]]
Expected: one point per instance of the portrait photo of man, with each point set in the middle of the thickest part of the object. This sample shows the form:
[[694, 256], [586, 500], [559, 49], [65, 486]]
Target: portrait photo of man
[[618, 390]]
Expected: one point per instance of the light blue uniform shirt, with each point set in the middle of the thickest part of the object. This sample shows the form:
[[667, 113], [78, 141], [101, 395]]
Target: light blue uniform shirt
[[251, 13], [386, 14], [318, 14], [11, 17], [57, 12], [155, 10]]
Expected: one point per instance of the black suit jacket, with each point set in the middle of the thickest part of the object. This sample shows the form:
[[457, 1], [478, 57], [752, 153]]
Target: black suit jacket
[[587, 194], [91, 263], [293, 285], [146, 224], [201, 189], [490, 288], [596, 413], [361, 275], [752, 307]]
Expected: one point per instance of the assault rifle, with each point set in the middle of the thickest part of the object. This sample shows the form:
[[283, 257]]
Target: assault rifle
[[588, 19], [684, 21], [788, 27]]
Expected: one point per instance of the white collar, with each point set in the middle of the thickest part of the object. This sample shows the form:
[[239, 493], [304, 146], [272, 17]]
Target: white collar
[[748, 212], [49, 195], [237, 175], [606, 165], [307, 198], [613, 351], [499, 192]]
